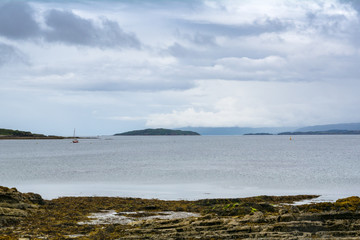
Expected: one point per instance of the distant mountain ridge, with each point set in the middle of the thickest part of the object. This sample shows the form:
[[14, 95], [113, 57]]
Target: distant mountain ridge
[[275, 130], [327, 132], [328, 127], [236, 130]]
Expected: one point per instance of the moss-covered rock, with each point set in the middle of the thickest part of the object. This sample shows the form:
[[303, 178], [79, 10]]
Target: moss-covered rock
[[263, 217], [15, 205]]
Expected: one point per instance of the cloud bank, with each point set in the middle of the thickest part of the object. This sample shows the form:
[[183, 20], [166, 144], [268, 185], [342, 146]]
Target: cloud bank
[[181, 63]]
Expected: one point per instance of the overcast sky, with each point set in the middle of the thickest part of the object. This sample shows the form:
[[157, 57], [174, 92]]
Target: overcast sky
[[105, 67]]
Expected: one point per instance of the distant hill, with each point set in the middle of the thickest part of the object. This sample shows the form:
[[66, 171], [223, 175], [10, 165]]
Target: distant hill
[[339, 126], [236, 130], [157, 132], [272, 130], [329, 132]]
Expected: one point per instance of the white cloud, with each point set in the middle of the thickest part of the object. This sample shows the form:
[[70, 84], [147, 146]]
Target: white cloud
[[258, 104]]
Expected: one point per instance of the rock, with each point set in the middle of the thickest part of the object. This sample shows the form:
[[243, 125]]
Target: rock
[[288, 217], [338, 225], [15, 205], [257, 217], [322, 221], [272, 219], [35, 198], [283, 211], [12, 212], [294, 209], [151, 207]]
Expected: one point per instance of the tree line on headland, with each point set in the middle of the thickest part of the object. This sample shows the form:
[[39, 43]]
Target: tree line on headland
[[157, 132], [15, 134]]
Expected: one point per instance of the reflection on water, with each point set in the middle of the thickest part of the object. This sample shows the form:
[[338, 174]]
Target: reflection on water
[[184, 167]]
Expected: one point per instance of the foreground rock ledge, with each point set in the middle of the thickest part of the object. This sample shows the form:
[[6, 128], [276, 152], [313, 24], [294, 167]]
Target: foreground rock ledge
[[14, 206], [28, 216]]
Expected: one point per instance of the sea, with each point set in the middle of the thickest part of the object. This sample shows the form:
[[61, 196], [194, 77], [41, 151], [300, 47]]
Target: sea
[[184, 167]]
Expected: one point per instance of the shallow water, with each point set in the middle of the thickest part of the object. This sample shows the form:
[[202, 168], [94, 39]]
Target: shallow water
[[184, 167]]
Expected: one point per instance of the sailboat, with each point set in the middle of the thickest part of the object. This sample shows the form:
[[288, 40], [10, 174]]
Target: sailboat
[[75, 139]]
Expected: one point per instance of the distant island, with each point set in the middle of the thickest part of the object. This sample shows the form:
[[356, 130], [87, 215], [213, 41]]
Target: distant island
[[258, 134], [158, 132]]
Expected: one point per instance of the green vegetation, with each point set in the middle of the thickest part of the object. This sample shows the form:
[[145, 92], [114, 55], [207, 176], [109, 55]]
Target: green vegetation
[[156, 132], [345, 204], [250, 134], [16, 134]]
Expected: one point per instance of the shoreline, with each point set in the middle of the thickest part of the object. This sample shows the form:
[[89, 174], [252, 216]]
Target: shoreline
[[170, 191], [43, 138], [28, 216]]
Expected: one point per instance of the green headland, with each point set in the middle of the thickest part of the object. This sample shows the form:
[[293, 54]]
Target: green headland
[[17, 134], [157, 132]]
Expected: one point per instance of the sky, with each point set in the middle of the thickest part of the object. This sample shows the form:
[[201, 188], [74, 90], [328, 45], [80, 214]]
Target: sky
[[110, 66]]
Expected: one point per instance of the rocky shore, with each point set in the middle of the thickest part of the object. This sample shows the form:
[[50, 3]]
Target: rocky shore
[[28, 216]]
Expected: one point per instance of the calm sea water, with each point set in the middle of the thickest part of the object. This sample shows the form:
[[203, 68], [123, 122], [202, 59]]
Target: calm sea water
[[184, 167]]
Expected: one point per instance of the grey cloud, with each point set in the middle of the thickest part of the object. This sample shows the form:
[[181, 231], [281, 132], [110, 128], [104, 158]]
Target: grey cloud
[[354, 3], [203, 39], [198, 38], [69, 28], [330, 25], [179, 51], [193, 55], [256, 28], [209, 54], [205, 36], [336, 26], [158, 5], [9, 54], [354, 31], [17, 21], [146, 86]]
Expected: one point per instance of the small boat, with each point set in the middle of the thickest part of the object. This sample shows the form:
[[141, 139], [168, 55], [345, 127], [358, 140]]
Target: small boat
[[75, 139]]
